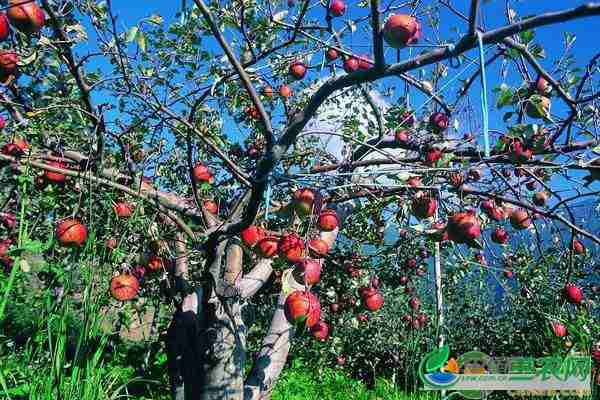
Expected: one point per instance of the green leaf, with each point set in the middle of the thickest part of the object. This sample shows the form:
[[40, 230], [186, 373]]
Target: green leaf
[[141, 41], [437, 358], [131, 34]]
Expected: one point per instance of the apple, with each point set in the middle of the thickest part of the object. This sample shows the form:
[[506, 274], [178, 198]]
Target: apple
[[268, 246], [71, 233], [8, 219], [292, 247], [464, 227], [362, 317], [318, 247], [5, 259], [252, 235], [424, 206], [16, 148], [540, 199], [202, 174], [403, 280], [331, 54], [267, 91], [432, 156], [414, 303], [518, 152], [27, 17], [372, 299], [519, 219], [401, 30], [577, 247], [328, 220], [401, 136], [155, 263], [411, 263], [475, 174], [351, 64], [252, 113], [124, 287], [297, 70], [123, 210], [111, 243], [334, 308], [438, 122], [310, 270], [573, 294], [304, 199], [508, 274], [542, 86], [211, 206], [456, 179], [500, 236], [302, 307], [320, 330], [285, 91], [4, 27], [340, 360], [364, 62], [8, 62], [407, 119], [337, 8], [414, 181], [559, 329]]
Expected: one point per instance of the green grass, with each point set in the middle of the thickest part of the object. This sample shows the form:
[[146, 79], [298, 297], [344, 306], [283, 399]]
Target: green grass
[[299, 383]]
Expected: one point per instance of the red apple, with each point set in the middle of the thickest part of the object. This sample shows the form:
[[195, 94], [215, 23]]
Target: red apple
[[559, 329], [4, 27], [401, 30], [372, 299], [304, 200], [519, 153], [318, 247], [334, 308], [414, 303], [362, 317], [414, 181], [401, 136], [302, 307], [268, 92], [542, 86], [155, 263], [320, 330], [16, 148], [519, 219], [292, 247], [310, 270], [439, 122], [124, 287], [577, 247], [71, 233], [111, 243], [297, 70], [211, 206], [432, 156], [285, 91], [252, 235], [424, 206], [123, 210], [364, 62], [500, 236], [328, 220], [337, 8], [463, 227], [331, 54], [540, 199], [27, 17], [8, 63], [351, 64], [572, 293], [456, 179], [268, 246], [202, 174]]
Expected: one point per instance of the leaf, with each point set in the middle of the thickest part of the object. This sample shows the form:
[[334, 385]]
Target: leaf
[[131, 34], [278, 17], [437, 358], [141, 41], [156, 19]]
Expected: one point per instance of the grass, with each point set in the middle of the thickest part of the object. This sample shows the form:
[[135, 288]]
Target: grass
[[299, 383]]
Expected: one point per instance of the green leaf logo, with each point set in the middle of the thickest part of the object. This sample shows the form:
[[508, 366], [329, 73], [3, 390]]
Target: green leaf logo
[[437, 358]]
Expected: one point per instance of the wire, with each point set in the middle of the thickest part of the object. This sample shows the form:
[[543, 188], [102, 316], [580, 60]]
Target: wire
[[484, 99]]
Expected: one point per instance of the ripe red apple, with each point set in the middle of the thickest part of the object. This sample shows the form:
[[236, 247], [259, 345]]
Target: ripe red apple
[[124, 287], [268, 92], [302, 307], [155, 263], [123, 210], [55, 177], [519, 153], [424, 206], [27, 17], [4, 27], [318, 247], [414, 181], [297, 69], [407, 119], [268, 246], [211, 206], [201, 173], [16, 148], [411, 263], [432, 156], [500, 236], [572, 293], [304, 200], [401, 30], [309, 270], [508, 274], [519, 219], [364, 62], [403, 280], [414, 303], [71, 233], [401, 136], [337, 8], [372, 299], [577, 247], [334, 308], [5, 259], [559, 329], [252, 113], [331, 54], [542, 86], [463, 227], [8, 63], [320, 330], [456, 179], [540, 199], [285, 91], [252, 235], [291, 247], [350, 64], [439, 122], [328, 220], [362, 317], [340, 360]]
